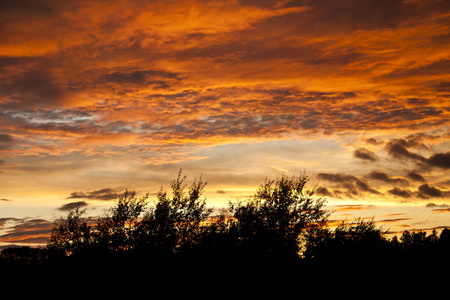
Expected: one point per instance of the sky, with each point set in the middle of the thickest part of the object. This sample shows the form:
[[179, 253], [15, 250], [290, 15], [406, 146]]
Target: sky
[[101, 96]]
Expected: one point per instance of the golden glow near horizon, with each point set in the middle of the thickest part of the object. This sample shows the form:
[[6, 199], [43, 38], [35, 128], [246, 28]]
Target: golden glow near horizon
[[98, 96]]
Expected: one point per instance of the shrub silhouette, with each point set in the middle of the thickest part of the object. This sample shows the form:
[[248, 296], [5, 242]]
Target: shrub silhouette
[[283, 224]]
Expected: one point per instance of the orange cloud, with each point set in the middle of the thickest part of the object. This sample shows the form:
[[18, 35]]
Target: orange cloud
[[353, 207], [28, 231]]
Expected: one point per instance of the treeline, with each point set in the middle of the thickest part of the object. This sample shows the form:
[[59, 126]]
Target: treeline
[[282, 225]]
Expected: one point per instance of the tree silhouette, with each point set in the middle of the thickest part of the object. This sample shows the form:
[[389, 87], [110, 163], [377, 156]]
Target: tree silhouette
[[282, 226], [19, 258], [117, 230], [349, 245], [70, 236], [174, 224], [273, 221]]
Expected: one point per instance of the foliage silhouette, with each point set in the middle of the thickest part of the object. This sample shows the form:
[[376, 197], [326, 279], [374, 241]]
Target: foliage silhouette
[[283, 225], [69, 236], [115, 232], [349, 245], [273, 220], [174, 224]]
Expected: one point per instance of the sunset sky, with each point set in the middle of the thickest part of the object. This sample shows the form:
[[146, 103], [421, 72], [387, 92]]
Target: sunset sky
[[98, 96]]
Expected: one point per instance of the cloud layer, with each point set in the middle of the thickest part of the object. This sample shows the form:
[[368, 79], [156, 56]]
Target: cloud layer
[[96, 95]]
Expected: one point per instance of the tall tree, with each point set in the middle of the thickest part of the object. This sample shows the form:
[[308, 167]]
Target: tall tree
[[70, 236], [117, 230], [275, 218], [174, 224]]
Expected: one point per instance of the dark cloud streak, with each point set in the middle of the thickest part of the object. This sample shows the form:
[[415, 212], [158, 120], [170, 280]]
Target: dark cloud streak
[[426, 191], [377, 175], [404, 193], [105, 194], [354, 185], [398, 148], [28, 231], [73, 205], [416, 176], [35, 88], [6, 141], [364, 154], [441, 160]]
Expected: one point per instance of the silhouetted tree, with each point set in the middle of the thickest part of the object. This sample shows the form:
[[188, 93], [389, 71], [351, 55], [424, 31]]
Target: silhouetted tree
[[443, 245], [350, 244], [218, 241], [281, 223], [273, 221], [70, 236], [117, 230], [21, 258], [416, 249], [444, 238], [174, 224], [417, 240]]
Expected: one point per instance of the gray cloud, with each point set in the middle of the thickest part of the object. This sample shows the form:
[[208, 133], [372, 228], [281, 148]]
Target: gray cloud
[[3, 221], [28, 231], [103, 194], [77, 120], [343, 16], [434, 205], [399, 148], [36, 88], [73, 205], [426, 191], [353, 184], [416, 176], [377, 175], [6, 141], [158, 78], [404, 193], [364, 154], [323, 191], [274, 111], [441, 160]]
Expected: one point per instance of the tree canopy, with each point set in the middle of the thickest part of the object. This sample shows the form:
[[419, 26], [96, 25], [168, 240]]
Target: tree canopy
[[282, 223]]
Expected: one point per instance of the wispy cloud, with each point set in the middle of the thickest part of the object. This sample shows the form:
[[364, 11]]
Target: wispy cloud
[[34, 231]]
